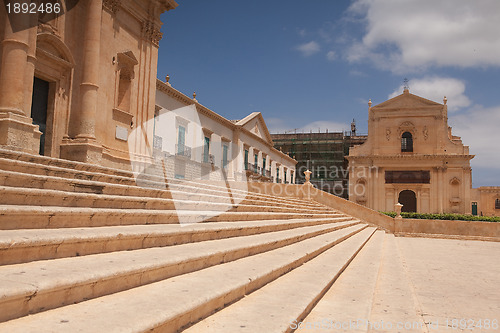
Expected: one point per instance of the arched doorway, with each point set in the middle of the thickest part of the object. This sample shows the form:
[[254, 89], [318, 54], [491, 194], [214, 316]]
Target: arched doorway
[[409, 201]]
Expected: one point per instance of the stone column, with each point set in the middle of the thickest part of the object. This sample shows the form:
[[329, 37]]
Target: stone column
[[85, 147], [90, 78], [29, 72], [16, 128], [14, 58]]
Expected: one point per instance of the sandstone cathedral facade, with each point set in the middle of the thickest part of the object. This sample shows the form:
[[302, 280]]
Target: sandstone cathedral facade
[[412, 157], [71, 86]]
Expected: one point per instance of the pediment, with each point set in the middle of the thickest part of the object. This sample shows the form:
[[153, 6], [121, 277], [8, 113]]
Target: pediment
[[407, 100], [254, 123]]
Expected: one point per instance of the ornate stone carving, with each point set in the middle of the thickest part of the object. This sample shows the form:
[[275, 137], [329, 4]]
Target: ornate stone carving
[[426, 133], [151, 33], [388, 133], [407, 126], [112, 5]]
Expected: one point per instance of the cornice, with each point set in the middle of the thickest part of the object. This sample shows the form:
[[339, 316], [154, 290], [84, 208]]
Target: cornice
[[179, 96], [412, 157], [151, 32], [176, 94]]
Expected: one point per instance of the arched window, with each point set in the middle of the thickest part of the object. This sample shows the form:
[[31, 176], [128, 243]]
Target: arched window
[[497, 204], [406, 142]]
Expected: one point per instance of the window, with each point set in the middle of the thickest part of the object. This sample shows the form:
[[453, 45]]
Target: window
[[206, 150], [284, 178], [256, 161], [277, 175], [246, 159], [181, 139], [264, 166], [497, 204], [225, 150], [406, 142]]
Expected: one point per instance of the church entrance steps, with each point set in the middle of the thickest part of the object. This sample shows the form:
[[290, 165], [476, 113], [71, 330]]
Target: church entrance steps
[[18, 180], [18, 156], [57, 171], [19, 246], [41, 217], [194, 280], [346, 307], [281, 304], [16, 165], [44, 197]]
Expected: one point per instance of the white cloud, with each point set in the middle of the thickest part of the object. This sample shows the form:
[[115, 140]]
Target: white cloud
[[412, 34], [331, 55], [277, 125], [435, 88], [355, 72], [478, 128], [308, 49]]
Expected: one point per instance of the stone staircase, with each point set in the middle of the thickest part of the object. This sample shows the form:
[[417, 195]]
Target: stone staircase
[[83, 248]]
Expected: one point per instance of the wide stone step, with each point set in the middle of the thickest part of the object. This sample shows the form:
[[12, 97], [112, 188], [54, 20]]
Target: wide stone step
[[346, 307], [42, 217], [186, 191], [38, 286], [173, 303], [280, 305], [43, 197], [63, 172], [18, 246], [17, 156]]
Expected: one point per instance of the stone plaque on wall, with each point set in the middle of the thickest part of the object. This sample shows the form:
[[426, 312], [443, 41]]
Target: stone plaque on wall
[[407, 177], [121, 133]]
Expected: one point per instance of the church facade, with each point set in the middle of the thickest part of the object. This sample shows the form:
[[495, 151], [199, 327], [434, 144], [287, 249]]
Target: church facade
[[411, 157], [74, 86]]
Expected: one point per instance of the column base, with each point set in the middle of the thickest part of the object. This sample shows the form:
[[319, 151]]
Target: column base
[[18, 133], [82, 150]]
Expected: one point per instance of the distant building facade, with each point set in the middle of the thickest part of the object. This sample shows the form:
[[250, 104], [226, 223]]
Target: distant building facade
[[486, 201], [323, 154], [197, 143], [411, 157]]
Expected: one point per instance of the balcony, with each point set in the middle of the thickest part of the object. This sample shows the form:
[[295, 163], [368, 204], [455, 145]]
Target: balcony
[[182, 150], [257, 173], [253, 168], [157, 142], [278, 180]]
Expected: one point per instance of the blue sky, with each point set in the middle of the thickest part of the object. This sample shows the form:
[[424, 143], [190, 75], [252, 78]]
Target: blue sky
[[313, 65]]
